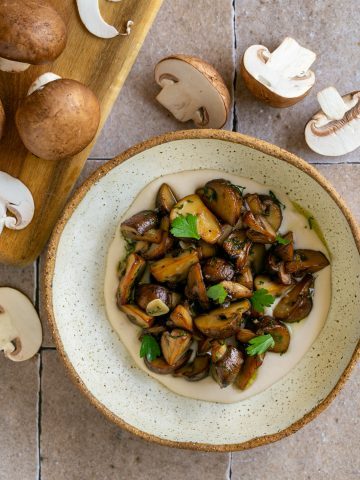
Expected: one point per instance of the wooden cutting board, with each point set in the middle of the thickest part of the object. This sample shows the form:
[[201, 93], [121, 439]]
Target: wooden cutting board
[[103, 65]]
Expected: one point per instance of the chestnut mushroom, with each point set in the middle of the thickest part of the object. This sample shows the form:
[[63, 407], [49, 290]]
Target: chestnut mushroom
[[225, 371], [278, 268], [244, 335], [223, 199], [161, 367], [165, 199], [147, 294], [174, 344], [158, 250], [260, 230], [286, 251], [238, 247], [218, 350], [274, 288], [245, 277], [139, 224], [195, 371], [256, 257], [195, 288], [181, 317], [205, 250], [248, 371], [174, 269], [217, 269], [137, 316], [135, 266], [279, 332], [297, 303], [265, 205], [236, 290], [306, 261]]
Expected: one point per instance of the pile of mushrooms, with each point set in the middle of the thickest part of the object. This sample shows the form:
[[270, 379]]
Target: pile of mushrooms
[[167, 282]]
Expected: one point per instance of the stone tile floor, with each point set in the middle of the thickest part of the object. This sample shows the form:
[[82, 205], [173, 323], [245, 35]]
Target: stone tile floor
[[49, 431]]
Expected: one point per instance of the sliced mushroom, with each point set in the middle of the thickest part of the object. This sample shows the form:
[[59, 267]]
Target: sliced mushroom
[[181, 317], [218, 350], [147, 293], [135, 266], [207, 224], [278, 267], [174, 269], [139, 224], [222, 322], [335, 129], [137, 316], [223, 199], [206, 250], [174, 344], [248, 371], [225, 371], [158, 250], [195, 288], [226, 229], [238, 247], [286, 252], [274, 288], [264, 205], [160, 365], [192, 90], [254, 203], [281, 78], [306, 261], [217, 269], [244, 335], [297, 303], [195, 371], [20, 326], [236, 290], [260, 230], [245, 277], [165, 199], [279, 332]]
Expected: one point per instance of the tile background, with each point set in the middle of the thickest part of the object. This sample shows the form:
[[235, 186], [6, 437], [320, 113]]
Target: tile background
[[49, 431]]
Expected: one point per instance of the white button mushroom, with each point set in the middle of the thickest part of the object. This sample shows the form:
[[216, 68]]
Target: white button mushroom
[[2, 119], [193, 90], [58, 118], [20, 327], [335, 129], [31, 32], [15, 198], [280, 78]]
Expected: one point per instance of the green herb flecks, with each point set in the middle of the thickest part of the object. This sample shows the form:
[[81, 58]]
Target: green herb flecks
[[281, 240], [259, 345], [276, 200], [149, 348], [217, 293], [239, 188], [261, 299], [210, 194], [185, 227]]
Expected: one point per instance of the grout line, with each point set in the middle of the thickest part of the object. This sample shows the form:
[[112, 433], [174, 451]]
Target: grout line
[[39, 415], [229, 469], [47, 348], [235, 119]]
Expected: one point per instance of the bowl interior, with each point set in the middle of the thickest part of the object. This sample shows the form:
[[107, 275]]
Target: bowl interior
[[102, 362]]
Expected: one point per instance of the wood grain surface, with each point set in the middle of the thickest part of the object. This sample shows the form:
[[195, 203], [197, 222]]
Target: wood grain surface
[[103, 65]]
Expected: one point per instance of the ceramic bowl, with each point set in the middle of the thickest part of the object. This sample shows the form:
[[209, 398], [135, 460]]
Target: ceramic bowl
[[99, 363]]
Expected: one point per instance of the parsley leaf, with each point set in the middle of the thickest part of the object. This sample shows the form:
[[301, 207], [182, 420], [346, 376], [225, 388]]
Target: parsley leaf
[[261, 299], [149, 348], [259, 345], [276, 200], [281, 240], [185, 227], [217, 293], [310, 222], [239, 188]]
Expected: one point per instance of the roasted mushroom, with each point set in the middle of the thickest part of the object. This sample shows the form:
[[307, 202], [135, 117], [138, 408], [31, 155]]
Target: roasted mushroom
[[195, 288], [286, 251], [158, 250], [165, 199], [136, 226], [137, 316], [297, 303], [256, 257], [265, 205], [205, 250], [274, 288], [277, 267], [181, 317], [223, 199], [217, 269], [245, 277], [238, 246], [225, 371], [195, 371], [236, 290], [244, 335], [306, 261], [260, 230], [135, 266], [174, 344], [218, 350], [248, 371], [279, 332], [147, 293], [160, 365], [174, 269]]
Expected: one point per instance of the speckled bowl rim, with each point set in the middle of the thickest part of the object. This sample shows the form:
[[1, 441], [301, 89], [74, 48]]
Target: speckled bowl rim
[[233, 137]]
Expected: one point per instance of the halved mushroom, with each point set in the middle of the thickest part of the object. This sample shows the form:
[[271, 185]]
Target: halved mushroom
[[256, 257], [222, 322], [32, 32], [223, 199], [46, 130], [137, 316], [174, 269], [286, 252], [248, 371], [260, 230], [193, 90], [217, 269], [281, 78], [238, 247], [135, 266], [306, 261], [160, 365], [145, 295], [335, 129], [181, 317], [245, 277], [236, 290], [195, 288], [174, 344], [165, 199], [279, 332], [297, 303], [158, 250], [20, 326], [264, 205], [2, 120], [274, 288], [135, 226], [207, 224], [226, 229], [218, 350], [276, 266], [195, 371], [205, 250], [225, 371], [244, 335]]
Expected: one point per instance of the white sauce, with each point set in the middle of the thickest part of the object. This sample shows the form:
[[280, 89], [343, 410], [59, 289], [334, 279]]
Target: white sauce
[[303, 334]]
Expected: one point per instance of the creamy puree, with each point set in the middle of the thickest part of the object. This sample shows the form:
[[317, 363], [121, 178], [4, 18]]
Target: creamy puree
[[303, 334]]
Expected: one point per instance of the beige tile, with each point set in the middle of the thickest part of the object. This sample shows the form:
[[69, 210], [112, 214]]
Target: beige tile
[[89, 168], [77, 442], [201, 28], [18, 419], [326, 449], [329, 28]]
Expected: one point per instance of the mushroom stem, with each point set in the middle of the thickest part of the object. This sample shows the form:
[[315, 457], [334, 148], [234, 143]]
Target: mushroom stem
[[8, 332], [12, 66], [332, 104], [41, 81]]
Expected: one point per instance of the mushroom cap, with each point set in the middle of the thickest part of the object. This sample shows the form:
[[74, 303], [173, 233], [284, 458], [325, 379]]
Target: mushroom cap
[[59, 120], [192, 70], [2, 119], [30, 31]]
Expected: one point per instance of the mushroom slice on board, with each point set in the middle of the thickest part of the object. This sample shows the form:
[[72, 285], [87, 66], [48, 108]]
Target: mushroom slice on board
[[20, 327], [17, 199], [32, 33], [193, 90], [52, 133], [335, 129], [280, 78]]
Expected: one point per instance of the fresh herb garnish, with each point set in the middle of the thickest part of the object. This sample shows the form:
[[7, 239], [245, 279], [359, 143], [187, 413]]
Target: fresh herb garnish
[[149, 348], [217, 293], [311, 222], [185, 227], [261, 299], [239, 188], [276, 200], [259, 345], [210, 194], [281, 240]]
